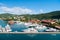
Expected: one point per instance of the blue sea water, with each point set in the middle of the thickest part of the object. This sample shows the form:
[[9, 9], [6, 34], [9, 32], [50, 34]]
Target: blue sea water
[[3, 23], [16, 27], [25, 36]]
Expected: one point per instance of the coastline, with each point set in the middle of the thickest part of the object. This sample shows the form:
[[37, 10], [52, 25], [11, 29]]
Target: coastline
[[29, 32]]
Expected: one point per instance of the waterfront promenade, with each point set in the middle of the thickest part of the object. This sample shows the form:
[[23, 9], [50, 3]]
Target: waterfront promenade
[[29, 32]]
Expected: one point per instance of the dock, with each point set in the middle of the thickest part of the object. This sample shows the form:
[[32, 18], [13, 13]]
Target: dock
[[29, 32]]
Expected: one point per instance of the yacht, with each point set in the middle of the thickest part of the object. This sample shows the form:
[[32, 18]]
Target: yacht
[[18, 22], [27, 24], [0, 28], [30, 24], [52, 29], [8, 29], [31, 28], [3, 29], [40, 28]]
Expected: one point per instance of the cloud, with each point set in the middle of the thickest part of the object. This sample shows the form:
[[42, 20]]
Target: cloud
[[18, 10], [15, 10], [41, 11]]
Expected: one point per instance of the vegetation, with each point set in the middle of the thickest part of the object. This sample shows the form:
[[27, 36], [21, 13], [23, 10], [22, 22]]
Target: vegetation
[[50, 15]]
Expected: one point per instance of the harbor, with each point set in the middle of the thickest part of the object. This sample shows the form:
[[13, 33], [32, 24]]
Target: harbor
[[27, 27], [29, 19]]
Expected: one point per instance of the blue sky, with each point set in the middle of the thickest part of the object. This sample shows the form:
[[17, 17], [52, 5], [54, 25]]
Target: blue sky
[[34, 6]]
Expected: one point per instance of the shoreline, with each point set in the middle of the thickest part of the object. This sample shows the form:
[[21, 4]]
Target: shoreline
[[29, 32]]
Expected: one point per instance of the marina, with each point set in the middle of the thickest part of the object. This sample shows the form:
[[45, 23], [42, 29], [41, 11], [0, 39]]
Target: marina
[[25, 27], [30, 33], [29, 19]]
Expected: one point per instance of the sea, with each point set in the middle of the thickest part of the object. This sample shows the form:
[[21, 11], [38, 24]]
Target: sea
[[14, 27]]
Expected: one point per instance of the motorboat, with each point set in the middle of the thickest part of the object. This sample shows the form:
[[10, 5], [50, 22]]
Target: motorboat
[[7, 28], [40, 28], [18, 22], [27, 24], [30, 30], [52, 29], [3, 29], [0, 28]]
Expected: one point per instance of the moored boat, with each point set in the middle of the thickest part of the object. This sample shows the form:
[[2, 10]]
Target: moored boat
[[7, 28]]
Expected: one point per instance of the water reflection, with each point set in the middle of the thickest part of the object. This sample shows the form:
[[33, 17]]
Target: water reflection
[[26, 37], [19, 28]]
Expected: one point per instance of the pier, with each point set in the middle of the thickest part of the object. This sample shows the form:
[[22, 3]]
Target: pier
[[29, 33]]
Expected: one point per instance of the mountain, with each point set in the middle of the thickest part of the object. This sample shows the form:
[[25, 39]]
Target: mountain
[[50, 15], [7, 15]]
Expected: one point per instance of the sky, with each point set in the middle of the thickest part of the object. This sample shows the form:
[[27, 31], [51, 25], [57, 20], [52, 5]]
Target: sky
[[29, 6]]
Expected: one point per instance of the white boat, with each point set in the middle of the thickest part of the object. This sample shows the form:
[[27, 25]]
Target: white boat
[[3, 30], [18, 22], [0, 28], [31, 27], [34, 24], [30, 30], [8, 29], [27, 24], [41, 28], [52, 29]]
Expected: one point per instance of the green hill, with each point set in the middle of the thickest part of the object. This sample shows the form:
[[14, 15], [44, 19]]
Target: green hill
[[50, 15]]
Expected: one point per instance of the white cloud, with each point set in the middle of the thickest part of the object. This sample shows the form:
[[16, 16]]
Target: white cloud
[[18, 10], [41, 11], [15, 10]]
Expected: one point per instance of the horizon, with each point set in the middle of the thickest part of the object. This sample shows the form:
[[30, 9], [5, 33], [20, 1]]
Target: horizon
[[29, 6]]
